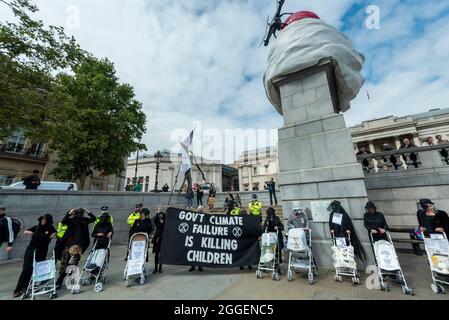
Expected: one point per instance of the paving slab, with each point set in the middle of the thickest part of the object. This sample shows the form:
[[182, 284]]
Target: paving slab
[[178, 284]]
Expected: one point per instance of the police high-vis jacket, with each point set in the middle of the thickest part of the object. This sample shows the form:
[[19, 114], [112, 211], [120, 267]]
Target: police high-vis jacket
[[133, 217], [255, 208]]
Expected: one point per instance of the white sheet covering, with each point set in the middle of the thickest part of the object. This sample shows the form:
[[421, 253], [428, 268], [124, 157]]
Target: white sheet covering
[[303, 44]]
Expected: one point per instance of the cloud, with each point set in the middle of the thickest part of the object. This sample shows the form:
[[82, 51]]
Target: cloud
[[200, 60]]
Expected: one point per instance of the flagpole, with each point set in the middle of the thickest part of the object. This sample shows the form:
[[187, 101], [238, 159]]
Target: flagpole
[[174, 185]]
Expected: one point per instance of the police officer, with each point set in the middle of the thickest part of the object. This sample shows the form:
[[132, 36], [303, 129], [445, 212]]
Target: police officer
[[104, 211], [132, 218], [255, 206], [233, 209]]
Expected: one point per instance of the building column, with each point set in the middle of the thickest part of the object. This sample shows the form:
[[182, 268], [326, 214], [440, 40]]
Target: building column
[[397, 142], [416, 140]]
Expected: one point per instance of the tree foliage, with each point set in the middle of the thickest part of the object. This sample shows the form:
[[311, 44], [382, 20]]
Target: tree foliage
[[104, 121], [57, 92]]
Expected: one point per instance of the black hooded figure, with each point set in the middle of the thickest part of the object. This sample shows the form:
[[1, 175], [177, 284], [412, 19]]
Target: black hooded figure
[[103, 231], [269, 225], [159, 222], [41, 236], [74, 242], [341, 228]]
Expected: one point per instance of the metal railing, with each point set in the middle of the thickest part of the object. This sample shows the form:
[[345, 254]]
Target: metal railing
[[405, 159]]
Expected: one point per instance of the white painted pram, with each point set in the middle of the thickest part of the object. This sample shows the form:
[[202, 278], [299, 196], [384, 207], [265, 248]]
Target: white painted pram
[[437, 248], [300, 253], [43, 280], [137, 265], [94, 269], [344, 259], [388, 263], [269, 256]]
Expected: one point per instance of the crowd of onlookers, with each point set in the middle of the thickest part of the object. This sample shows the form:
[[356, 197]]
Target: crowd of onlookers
[[406, 144]]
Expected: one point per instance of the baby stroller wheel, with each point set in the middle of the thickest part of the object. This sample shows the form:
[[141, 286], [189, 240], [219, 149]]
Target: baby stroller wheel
[[384, 287], [53, 296], [311, 278], [98, 287], [142, 280], [127, 283], [338, 278], [407, 291], [290, 275], [275, 276], [435, 288], [25, 296], [259, 274]]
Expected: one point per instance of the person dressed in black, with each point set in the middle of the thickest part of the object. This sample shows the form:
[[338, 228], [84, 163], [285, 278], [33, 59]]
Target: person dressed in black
[[143, 225], [341, 226], [165, 188], [74, 242], [271, 185], [9, 228], [159, 222], [199, 196], [274, 224], [431, 219], [385, 148], [375, 223], [41, 236], [406, 144], [103, 231], [365, 162], [32, 182]]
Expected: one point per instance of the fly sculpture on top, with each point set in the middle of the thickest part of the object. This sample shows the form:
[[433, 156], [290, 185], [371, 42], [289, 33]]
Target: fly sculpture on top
[[313, 73]]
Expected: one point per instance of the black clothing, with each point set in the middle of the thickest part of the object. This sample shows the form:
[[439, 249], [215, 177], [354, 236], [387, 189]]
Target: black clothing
[[376, 221], [8, 230], [105, 228], [77, 232], [340, 230], [40, 240], [365, 162], [269, 224], [199, 197], [142, 225], [393, 159], [413, 156], [157, 240], [440, 220], [32, 182]]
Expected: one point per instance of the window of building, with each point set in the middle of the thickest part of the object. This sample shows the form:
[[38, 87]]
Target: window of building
[[16, 142], [37, 149]]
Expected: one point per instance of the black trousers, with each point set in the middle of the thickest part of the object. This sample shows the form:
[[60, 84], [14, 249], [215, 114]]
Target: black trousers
[[199, 201], [273, 194], [27, 268]]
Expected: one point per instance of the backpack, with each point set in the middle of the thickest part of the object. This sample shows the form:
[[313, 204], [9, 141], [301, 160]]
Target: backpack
[[16, 226]]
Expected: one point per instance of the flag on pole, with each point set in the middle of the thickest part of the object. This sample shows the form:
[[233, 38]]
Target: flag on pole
[[367, 94], [186, 164]]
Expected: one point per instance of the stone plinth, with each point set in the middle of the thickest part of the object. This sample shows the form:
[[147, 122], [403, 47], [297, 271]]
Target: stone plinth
[[316, 155]]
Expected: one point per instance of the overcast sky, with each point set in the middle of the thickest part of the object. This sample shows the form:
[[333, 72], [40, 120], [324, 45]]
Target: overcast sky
[[199, 60]]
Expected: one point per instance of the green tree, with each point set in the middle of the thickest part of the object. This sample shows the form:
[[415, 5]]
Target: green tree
[[100, 126], [30, 57]]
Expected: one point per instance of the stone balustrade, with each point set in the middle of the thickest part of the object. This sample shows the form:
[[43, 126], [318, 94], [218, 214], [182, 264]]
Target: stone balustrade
[[405, 159]]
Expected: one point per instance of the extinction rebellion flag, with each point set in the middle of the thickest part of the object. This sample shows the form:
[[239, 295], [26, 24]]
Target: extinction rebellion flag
[[210, 240]]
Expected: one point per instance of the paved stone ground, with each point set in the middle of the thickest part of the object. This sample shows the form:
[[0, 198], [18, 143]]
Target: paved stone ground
[[177, 283]]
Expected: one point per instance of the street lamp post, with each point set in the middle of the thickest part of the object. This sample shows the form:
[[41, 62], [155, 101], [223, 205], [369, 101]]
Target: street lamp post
[[157, 156]]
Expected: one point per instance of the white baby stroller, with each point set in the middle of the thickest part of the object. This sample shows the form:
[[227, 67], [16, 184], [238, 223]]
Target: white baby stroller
[[388, 263], [94, 269], [269, 256], [437, 248], [300, 253], [344, 259], [43, 280], [137, 265]]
